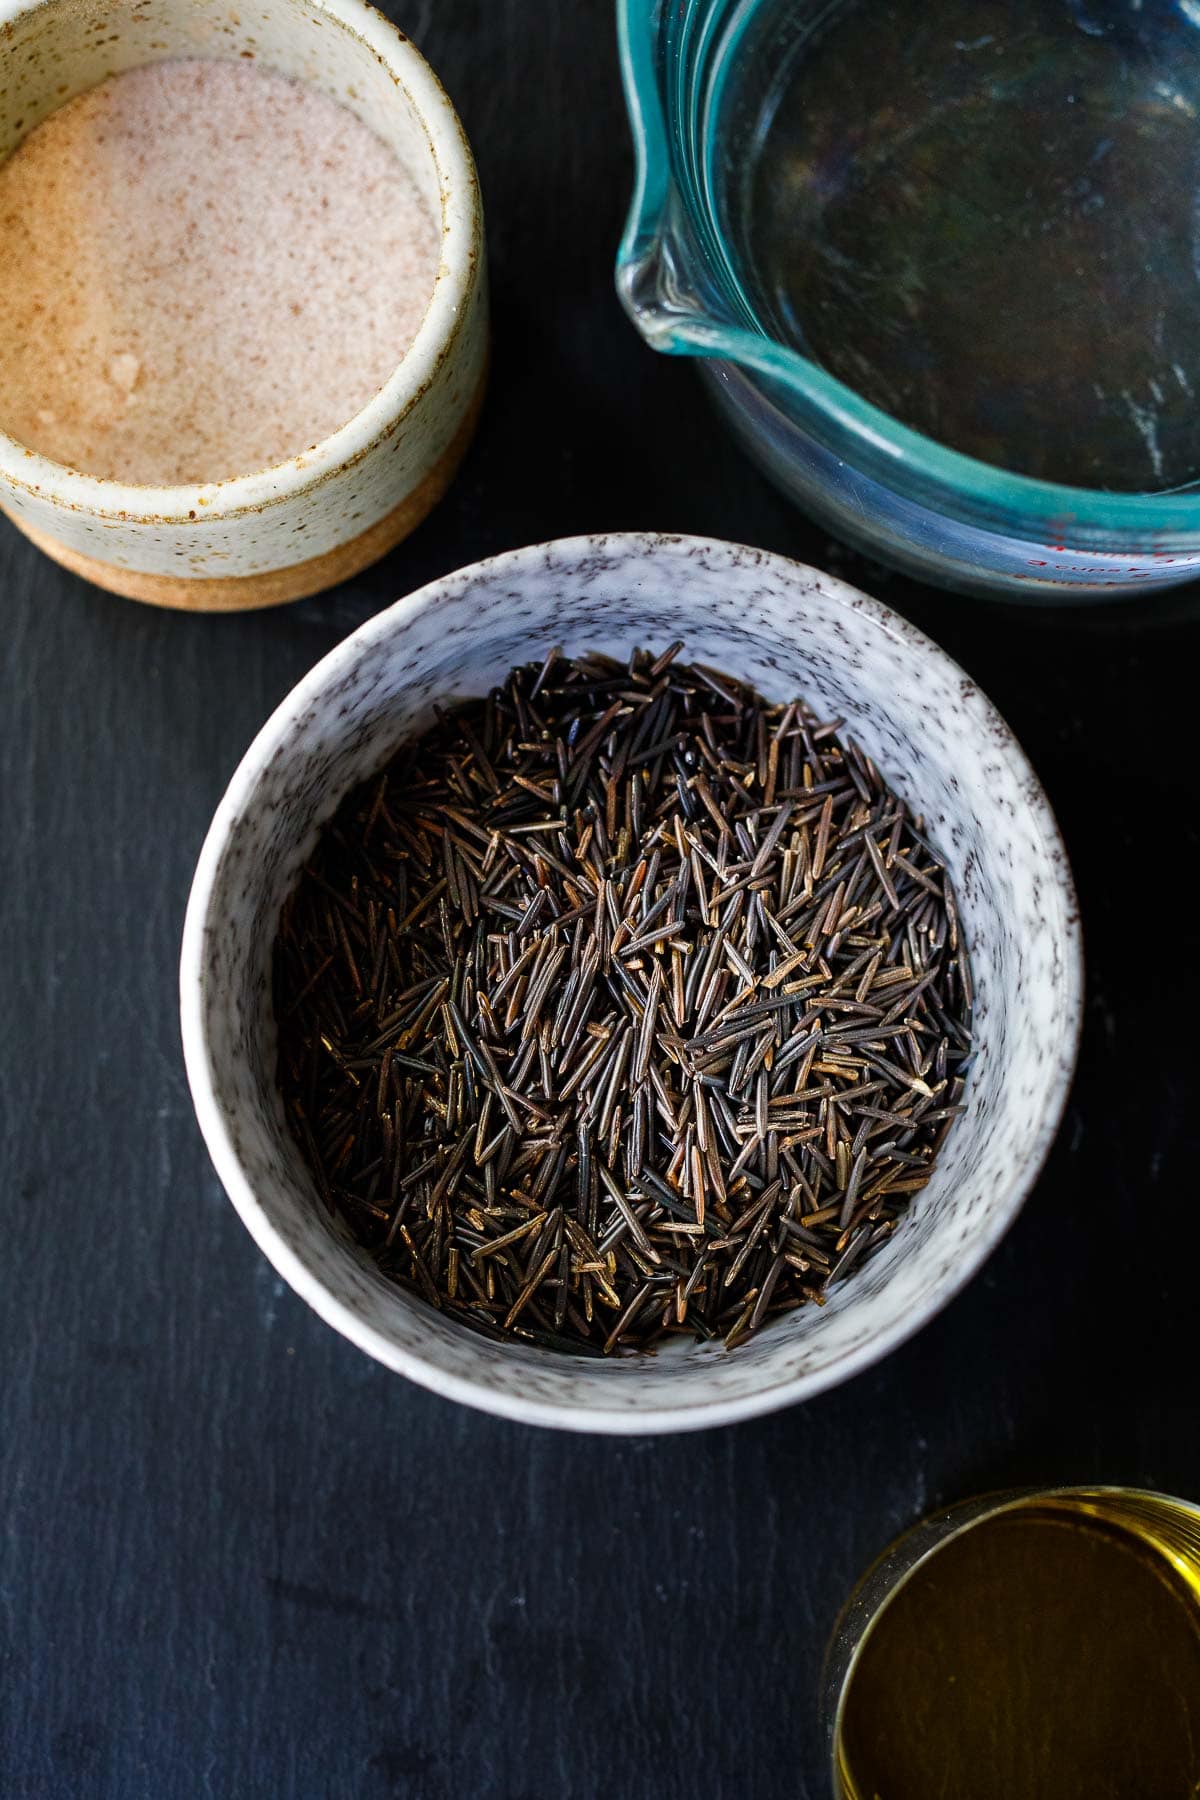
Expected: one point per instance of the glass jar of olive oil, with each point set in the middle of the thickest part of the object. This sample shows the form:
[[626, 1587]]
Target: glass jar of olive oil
[[1033, 1646]]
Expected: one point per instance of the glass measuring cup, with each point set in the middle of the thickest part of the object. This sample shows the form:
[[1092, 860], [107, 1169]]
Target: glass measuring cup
[[688, 67]]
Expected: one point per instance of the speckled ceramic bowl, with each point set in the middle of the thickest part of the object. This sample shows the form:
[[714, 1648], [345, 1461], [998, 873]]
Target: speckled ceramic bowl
[[271, 534], [787, 630]]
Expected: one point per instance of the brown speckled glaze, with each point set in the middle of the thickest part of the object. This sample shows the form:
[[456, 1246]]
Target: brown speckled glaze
[[264, 533], [239, 593], [787, 630]]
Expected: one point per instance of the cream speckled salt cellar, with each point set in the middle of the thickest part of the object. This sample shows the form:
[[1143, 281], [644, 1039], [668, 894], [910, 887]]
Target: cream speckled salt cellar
[[279, 533], [788, 631]]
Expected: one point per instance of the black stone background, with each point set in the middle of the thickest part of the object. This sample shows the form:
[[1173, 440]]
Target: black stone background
[[238, 1559]]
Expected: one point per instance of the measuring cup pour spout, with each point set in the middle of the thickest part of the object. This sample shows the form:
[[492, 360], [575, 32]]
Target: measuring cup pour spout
[[664, 276], [655, 287]]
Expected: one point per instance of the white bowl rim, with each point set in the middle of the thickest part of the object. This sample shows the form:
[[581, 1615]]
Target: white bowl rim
[[460, 229], [570, 1415]]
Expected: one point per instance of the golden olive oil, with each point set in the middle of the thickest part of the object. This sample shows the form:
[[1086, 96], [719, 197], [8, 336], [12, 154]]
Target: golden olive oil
[[1049, 1651]]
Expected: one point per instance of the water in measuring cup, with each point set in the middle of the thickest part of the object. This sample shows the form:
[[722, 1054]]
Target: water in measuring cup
[[984, 217]]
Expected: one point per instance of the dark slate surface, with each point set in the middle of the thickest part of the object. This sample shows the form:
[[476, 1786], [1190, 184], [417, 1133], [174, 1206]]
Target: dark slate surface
[[238, 1559]]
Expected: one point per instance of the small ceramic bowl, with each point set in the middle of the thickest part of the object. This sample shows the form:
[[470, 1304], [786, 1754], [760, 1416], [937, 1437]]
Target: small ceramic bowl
[[271, 534], [788, 631]]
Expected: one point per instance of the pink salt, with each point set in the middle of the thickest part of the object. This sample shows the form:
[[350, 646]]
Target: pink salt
[[205, 268]]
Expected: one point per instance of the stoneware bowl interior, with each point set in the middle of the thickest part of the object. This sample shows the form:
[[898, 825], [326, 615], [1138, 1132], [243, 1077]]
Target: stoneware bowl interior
[[397, 449], [62, 48], [789, 631]]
